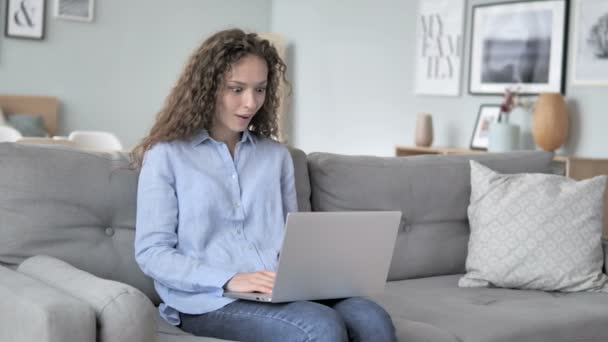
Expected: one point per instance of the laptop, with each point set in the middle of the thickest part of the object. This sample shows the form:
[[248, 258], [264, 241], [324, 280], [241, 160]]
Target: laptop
[[327, 255]]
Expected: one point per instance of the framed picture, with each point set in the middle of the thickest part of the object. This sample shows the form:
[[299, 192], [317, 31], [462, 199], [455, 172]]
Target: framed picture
[[79, 10], [24, 19], [487, 115], [439, 47], [519, 44], [591, 43]]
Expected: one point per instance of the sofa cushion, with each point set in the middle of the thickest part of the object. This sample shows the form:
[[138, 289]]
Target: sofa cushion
[[535, 231], [493, 314], [123, 313], [432, 192], [78, 206], [301, 175], [74, 205]]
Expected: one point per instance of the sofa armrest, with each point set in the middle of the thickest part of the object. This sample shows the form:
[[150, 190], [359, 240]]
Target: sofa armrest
[[123, 313], [31, 311]]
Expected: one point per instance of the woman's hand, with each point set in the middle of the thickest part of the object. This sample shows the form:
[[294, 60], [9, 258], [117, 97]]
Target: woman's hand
[[260, 281]]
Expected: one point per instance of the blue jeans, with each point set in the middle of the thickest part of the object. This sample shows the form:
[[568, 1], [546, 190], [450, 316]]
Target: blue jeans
[[351, 319]]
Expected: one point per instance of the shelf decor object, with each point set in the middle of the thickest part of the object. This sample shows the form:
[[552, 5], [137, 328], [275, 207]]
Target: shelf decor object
[[550, 121]]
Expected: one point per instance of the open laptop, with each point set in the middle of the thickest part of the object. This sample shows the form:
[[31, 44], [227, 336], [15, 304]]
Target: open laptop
[[328, 255]]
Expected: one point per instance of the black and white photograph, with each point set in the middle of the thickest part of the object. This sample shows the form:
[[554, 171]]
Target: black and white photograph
[[518, 44], [24, 19], [591, 43], [488, 113], [79, 10]]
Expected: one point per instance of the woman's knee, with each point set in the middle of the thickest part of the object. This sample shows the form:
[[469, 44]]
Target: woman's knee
[[366, 319], [322, 323]]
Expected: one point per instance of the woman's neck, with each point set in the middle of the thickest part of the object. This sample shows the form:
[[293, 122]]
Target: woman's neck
[[229, 138]]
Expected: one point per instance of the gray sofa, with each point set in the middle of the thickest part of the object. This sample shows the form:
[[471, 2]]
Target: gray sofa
[[67, 270]]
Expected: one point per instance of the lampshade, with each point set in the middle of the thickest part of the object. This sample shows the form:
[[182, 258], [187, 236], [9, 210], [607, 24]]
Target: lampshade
[[550, 123]]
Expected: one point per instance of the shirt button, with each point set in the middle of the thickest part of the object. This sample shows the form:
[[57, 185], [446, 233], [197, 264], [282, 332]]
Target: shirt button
[[234, 176], [109, 231], [237, 204]]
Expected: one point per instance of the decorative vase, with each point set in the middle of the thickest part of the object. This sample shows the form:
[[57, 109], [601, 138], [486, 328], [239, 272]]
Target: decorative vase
[[424, 129], [550, 122], [503, 137]]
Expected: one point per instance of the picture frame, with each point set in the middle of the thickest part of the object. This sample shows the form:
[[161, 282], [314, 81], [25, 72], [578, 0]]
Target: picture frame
[[25, 19], [439, 47], [519, 44], [590, 58], [488, 113], [78, 10]]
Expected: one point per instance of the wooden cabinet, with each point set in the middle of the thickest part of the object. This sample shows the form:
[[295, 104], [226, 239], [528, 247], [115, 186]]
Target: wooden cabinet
[[574, 167]]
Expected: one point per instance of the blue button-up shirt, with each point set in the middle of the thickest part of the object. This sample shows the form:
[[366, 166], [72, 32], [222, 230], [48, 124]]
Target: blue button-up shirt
[[203, 216]]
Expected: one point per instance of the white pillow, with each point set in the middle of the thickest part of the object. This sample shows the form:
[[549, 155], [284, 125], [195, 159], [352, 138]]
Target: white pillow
[[535, 231]]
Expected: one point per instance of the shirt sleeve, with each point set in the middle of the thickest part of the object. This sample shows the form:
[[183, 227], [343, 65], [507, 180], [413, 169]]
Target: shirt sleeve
[[156, 231], [288, 185]]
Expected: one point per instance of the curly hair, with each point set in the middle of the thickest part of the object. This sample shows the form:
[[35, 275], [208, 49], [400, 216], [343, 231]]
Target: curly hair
[[190, 106]]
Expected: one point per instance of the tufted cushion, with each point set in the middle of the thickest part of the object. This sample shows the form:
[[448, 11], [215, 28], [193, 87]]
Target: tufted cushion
[[74, 205], [123, 313], [432, 192], [79, 206]]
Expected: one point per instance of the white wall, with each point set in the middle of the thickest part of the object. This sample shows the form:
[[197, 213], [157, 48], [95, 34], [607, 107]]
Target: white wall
[[113, 74], [353, 71]]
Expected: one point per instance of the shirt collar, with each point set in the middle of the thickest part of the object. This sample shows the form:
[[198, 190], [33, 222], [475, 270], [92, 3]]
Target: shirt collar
[[204, 135]]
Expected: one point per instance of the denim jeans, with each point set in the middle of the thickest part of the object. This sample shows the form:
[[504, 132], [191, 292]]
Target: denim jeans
[[351, 319]]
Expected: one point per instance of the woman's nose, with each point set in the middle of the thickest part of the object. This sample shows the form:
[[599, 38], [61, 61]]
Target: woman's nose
[[250, 99]]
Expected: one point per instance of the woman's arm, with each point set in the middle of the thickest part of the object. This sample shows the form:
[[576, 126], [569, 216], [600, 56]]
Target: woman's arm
[[156, 231]]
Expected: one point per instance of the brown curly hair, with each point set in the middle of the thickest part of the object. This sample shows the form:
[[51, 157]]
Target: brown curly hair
[[190, 106]]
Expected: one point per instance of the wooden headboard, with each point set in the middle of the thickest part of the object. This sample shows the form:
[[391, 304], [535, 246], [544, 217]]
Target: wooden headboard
[[45, 106]]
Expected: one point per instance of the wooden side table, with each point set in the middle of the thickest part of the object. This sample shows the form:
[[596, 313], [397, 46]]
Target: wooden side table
[[573, 167]]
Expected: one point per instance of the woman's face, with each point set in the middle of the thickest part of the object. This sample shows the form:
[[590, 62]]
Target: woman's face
[[242, 95]]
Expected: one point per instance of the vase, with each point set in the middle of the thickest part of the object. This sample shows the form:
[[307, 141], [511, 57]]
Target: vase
[[503, 137], [424, 130], [550, 121]]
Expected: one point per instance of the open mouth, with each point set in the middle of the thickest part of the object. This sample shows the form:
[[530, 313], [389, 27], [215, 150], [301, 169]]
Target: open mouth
[[243, 117]]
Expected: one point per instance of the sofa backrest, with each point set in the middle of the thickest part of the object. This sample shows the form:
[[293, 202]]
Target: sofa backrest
[[79, 206], [432, 192]]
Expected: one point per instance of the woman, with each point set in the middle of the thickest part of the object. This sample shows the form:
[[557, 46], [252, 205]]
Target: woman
[[213, 194]]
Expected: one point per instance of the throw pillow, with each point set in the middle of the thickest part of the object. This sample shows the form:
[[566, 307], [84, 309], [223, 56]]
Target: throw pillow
[[29, 125], [535, 231]]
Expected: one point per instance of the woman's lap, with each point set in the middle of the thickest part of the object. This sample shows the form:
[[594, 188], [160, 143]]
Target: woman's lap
[[332, 320]]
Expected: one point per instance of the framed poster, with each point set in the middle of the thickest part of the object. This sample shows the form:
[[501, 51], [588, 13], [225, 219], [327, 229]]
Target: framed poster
[[487, 115], [79, 10], [519, 44], [24, 19], [439, 47], [591, 43]]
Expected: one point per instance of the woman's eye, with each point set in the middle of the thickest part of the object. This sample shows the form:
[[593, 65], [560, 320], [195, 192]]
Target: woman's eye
[[261, 90], [236, 89]]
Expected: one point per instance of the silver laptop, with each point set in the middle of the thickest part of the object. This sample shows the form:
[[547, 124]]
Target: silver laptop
[[328, 255]]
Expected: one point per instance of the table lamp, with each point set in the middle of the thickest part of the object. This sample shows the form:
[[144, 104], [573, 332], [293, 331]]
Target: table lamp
[[550, 122]]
